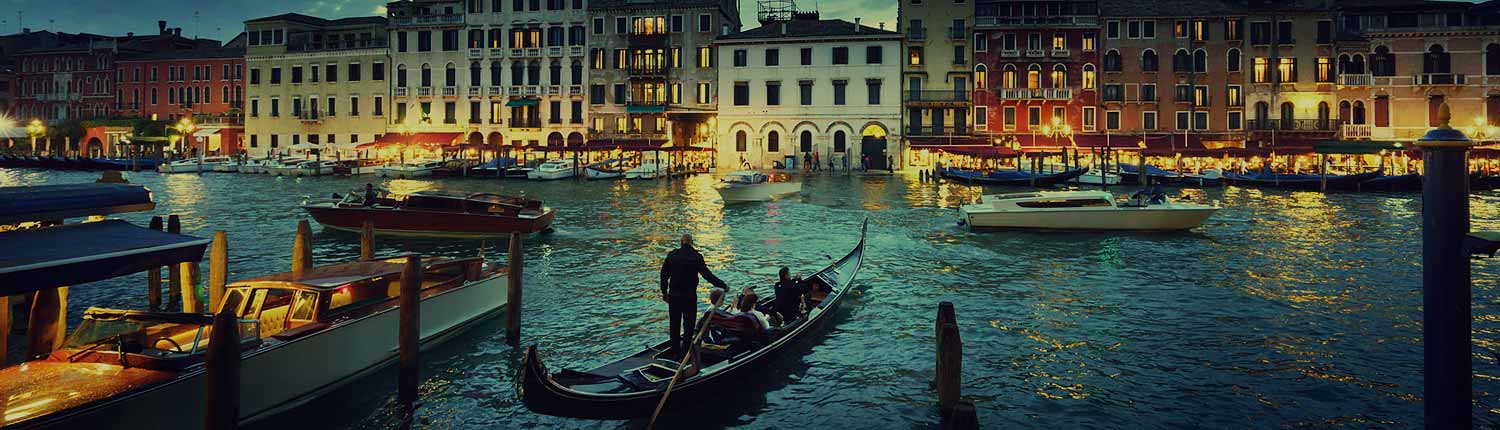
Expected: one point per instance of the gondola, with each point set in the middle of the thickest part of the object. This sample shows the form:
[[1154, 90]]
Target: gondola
[[1397, 183], [1130, 174], [1481, 182], [1299, 181], [1015, 178], [632, 387]]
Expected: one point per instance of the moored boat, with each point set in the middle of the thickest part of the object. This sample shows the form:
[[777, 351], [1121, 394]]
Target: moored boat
[[316, 168], [1205, 178], [649, 169], [1396, 183], [752, 186], [435, 213], [608, 169], [553, 169], [1299, 181], [1130, 174], [631, 387], [190, 165], [1009, 177], [410, 169], [1082, 210]]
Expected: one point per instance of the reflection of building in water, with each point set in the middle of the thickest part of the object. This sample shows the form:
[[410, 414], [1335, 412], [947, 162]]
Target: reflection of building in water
[[808, 86]]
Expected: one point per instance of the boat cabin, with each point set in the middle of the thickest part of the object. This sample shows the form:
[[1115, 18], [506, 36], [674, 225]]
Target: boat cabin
[[1050, 200], [746, 177]]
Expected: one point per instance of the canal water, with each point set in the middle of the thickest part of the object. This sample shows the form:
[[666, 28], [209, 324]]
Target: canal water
[[1288, 309]]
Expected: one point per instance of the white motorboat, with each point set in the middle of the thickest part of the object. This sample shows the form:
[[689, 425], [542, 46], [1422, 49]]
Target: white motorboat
[[649, 169], [752, 186], [252, 166], [553, 169], [299, 339], [232, 166], [608, 169], [284, 167], [316, 168], [191, 165], [410, 169], [1082, 210]]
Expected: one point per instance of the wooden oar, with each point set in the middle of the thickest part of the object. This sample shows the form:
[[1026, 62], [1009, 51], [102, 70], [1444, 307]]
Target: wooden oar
[[678, 374]]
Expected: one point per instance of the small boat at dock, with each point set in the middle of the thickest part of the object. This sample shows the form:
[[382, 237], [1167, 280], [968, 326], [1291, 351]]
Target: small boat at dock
[[1081, 210], [436, 214], [410, 169], [649, 169], [553, 169], [1299, 181], [1008, 177], [190, 165], [751, 186], [608, 169]]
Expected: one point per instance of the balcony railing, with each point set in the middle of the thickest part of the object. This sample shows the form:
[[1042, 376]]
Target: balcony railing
[[575, 51], [1441, 79], [1035, 21], [427, 19], [450, 91], [1036, 52], [1010, 52], [935, 130], [916, 33], [958, 33], [647, 71], [1355, 131], [517, 52], [1289, 124], [476, 53], [536, 123], [497, 52], [554, 51], [474, 91], [533, 52], [1035, 93], [575, 89], [1063, 52], [1353, 80], [401, 91], [554, 90], [424, 92], [496, 91], [936, 96], [310, 117]]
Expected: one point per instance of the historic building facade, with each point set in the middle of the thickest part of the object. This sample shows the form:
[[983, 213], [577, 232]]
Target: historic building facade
[[1036, 71], [1291, 62], [206, 82], [653, 70], [315, 85], [76, 80], [937, 69], [806, 86]]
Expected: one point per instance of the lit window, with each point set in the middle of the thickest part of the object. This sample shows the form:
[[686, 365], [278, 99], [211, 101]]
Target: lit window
[[914, 56], [1034, 77], [1008, 79], [1059, 42], [1088, 76], [1325, 69], [1286, 70], [981, 77], [1259, 71], [1088, 42], [1059, 77]]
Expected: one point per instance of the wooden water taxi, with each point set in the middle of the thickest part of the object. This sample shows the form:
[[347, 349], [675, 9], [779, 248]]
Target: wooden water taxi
[[436, 213]]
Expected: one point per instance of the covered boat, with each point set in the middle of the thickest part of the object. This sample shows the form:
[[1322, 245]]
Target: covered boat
[[553, 169], [1009, 177], [436, 213], [191, 165], [631, 387]]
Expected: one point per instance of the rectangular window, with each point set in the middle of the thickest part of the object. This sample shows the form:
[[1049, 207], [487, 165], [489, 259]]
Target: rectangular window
[[1112, 30], [705, 57], [620, 94], [839, 90], [1325, 32], [676, 24], [275, 75], [1114, 93], [621, 26], [254, 76], [1260, 71], [1148, 29], [1232, 30], [1200, 96], [1180, 29], [874, 54], [1112, 120], [1286, 70], [773, 57], [1260, 33], [1236, 120], [1200, 30], [296, 74], [596, 94], [576, 115], [741, 93], [1183, 93], [275, 107], [377, 71], [773, 93], [1034, 116], [379, 106], [332, 106], [705, 23], [598, 26], [741, 58], [1182, 120], [424, 41], [353, 107], [1200, 120], [1233, 97], [254, 108], [1148, 120], [1133, 29], [873, 86], [705, 93], [840, 55], [805, 92], [1008, 117], [1284, 33], [1325, 69]]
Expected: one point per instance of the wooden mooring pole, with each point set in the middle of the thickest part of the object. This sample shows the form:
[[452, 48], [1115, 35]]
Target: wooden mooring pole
[[174, 272], [1447, 286], [222, 381], [4, 329], [218, 269], [955, 413], [367, 241], [409, 333], [153, 276], [46, 325], [513, 290], [188, 270], [302, 250]]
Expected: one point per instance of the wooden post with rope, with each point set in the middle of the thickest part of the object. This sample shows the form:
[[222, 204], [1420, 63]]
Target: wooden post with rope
[[153, 275], [302, 250], [174, 272], [222, 379], [367, 241], [955, 413]]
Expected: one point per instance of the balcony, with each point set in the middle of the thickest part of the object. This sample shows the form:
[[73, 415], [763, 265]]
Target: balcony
[[958, 33], [554, 90], [1035, 93], [1386, 81], [1060, 53], [936, 96], [533, 123], [935, 130], [576, 90], [575, 51], [424, 92], [497, 52], [916, 33], [422, 20], [517, 52], [533, 52], [450, 92], [495, 91], [310, 118], [476, 53], [1036, 21], [648, 39], [1010, 53], [1351, 80], [1314, 125], [1441, 79], [647, 71], [474, 91], [1355, 131], [554, 51], [401, 91], [1035, 53]]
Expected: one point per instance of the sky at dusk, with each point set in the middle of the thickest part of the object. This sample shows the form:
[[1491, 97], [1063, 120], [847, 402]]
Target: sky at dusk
[[222, 19]]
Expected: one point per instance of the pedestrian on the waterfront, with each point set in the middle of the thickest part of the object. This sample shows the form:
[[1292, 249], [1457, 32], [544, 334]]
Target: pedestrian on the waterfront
[[817, 162], [890, 163], [806, 161], [679, 288]]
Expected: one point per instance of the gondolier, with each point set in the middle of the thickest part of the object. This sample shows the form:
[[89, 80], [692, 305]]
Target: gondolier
[[679, 288]]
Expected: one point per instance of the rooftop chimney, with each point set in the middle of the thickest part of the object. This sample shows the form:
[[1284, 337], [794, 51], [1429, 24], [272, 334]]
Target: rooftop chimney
[[161, 27], [882, 25], [856, 25], [177, 31], [26, 30]]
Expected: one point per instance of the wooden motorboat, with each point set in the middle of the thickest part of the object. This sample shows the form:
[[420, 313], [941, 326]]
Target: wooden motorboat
[[1082, 210], [300, 338], [436, 213], [752, 186], [1008, 177], [1130, 174], [631, 387], [191, 165], [1205, 178], [553, 169]]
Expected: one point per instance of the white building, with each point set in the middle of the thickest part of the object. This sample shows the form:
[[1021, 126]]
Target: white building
[[490, 72], [806, 85]]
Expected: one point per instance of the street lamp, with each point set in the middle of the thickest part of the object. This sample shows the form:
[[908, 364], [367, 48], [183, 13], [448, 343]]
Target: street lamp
[[35, 129]]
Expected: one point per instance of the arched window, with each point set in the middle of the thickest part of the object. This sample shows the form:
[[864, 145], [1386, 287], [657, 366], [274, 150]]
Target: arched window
[[1088, 77], [1288, 114], [1149, 61], [1232, 60], [401, 76], [806, 141], [577, 73], [1008, 77], [1200, 61], [981, 76], [773, 141], [1323, 116], [1059, 76], [839, 141], [426, 75], [1182, 62], [450, 76], [1344, 112], [1033, 76], [1383, 62], [739, 141], [475, 75], [497, 73], [554, 73], [1357, 64], [1262, 116], [534, 73], [1492, 59], [1358, 112], [1112, 61], [1436, 61]]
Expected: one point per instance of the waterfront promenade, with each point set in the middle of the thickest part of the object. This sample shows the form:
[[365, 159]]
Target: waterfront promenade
[[1286, 309]]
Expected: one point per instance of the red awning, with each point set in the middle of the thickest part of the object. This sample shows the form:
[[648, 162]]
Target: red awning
[[1116, 142], [430, 140], [978, 151], [928, 142]]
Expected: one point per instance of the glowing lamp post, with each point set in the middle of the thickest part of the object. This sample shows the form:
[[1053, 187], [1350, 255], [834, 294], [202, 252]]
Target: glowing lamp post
[[1446, 310], [186, 128], [35, 129]]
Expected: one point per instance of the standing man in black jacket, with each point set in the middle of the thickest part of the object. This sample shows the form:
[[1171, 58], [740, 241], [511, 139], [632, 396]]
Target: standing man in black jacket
[[679, 288]]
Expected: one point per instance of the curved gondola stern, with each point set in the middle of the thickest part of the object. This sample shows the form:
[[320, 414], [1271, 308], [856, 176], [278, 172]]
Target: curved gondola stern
[[534, 386]]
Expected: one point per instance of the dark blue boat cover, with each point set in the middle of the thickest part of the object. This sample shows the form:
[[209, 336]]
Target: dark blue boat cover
[[77, 253], [51, 202]]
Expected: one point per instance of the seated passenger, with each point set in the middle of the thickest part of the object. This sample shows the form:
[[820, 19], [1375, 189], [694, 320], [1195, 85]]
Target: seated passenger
[[748, 299], [789, 296]]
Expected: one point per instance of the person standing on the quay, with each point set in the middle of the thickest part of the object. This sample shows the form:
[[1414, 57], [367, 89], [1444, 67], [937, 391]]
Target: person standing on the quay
[[806, 161], [679, 288], [817, 162]]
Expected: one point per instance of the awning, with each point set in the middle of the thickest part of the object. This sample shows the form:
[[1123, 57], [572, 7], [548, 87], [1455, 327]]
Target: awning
[[928, 142], [77, 253], [432, 140], [147, 140], [645, 109], [1356, 147], [62, 201], [980, 151], [206, 132], [1116, 141], [522, 102]]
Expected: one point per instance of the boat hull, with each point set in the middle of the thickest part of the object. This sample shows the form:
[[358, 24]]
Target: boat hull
[[1027, 181], [548, 175], [426, 223], [758, 192], [1101, 219], [186, 168], [595, 174], [284, 375]]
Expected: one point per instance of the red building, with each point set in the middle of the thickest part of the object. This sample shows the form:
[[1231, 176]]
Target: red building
[[1036, 69], [203, 83], [76, 80]]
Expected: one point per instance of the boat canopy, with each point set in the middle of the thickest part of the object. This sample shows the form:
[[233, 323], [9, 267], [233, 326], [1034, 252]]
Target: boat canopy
[[73, 254], [1356, 147], [55, 202]]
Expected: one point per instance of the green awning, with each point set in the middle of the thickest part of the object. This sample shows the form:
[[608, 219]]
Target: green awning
[[1356, 147], [522, 102], [645, 109]]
